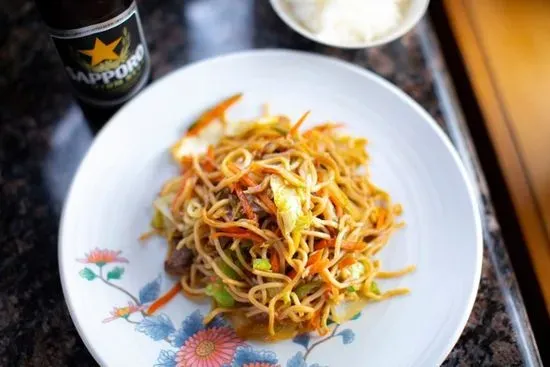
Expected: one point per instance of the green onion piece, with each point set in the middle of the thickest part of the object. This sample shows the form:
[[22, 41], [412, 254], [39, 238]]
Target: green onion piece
[[351, 289], [222, 297], [227, 270], [374, 288], [157, 222], [261, 264], [306, 289]]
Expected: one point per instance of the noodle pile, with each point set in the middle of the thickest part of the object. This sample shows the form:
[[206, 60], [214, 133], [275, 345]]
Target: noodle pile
[[278, 227]]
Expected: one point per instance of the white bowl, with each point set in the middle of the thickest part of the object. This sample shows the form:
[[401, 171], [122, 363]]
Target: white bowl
[[416, 9]]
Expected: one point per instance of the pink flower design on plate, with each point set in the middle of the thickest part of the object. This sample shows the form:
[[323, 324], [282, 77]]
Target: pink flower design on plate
[[101, 257], [213, 347], [124, 312]]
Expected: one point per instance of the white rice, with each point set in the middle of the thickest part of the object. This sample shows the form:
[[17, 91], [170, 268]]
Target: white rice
[[347, 22]]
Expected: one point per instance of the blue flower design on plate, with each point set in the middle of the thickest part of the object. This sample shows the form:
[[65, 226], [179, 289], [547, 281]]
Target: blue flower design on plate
[[190, 326], [248, 356], [302, 339], [166, 358], [157, 327], [297, 361], [150, 291], [347, 336], [305, 340]]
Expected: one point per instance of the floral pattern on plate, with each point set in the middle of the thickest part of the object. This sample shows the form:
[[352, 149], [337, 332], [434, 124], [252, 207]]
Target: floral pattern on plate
[[192, 344]]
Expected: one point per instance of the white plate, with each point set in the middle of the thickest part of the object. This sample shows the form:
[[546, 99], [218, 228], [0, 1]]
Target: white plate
[[109, 206]]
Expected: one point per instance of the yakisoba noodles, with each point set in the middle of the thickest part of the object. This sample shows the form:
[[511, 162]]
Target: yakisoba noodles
[[278, 226]]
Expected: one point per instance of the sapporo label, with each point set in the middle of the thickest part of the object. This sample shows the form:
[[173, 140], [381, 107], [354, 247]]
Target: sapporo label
[[107, 62]]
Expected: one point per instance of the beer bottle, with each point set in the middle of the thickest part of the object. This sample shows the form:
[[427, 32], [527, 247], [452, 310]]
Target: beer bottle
[[104, 52]]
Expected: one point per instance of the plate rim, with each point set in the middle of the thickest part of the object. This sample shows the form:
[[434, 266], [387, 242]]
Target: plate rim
[[282, 52]]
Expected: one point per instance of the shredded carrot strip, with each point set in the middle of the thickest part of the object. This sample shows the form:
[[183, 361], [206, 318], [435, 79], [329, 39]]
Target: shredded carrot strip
[[322, 244], [381, 218], [274, 260], [354, 246], [270, 170], [247, 180], [339, 211], [148, 234], [315, 321], [322, 191], [186, 163], [346, 261], [325, 126], [267, 202], [318, 266], [337, 205], [247, 208], [213, 114], [246, 235], [164, 299], [316, 256], [208, 165], [346, 245], [235, 230], [292, 274], [297, 125]]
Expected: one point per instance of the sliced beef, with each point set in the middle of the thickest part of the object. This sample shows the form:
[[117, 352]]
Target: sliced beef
[[179, 261]]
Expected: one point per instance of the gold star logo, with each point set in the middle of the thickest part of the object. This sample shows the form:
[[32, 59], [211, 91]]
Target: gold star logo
[[101, 51]]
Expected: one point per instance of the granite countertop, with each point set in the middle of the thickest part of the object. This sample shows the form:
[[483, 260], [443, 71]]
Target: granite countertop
[[43, 137]]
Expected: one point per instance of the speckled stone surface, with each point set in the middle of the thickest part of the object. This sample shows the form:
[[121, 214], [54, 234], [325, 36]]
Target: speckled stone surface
[[43, 137]]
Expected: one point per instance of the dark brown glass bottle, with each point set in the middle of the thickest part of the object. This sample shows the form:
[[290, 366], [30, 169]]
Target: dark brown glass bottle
[[103, 50]]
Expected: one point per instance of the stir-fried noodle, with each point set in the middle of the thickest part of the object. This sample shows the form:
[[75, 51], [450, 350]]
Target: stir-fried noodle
[[279, 227]]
